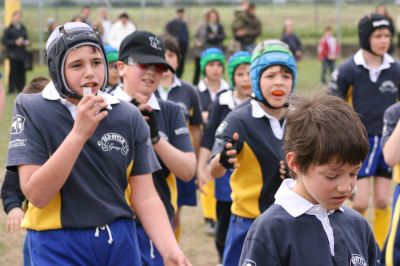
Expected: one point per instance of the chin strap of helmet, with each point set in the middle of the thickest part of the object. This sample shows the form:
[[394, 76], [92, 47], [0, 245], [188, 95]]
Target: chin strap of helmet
[[266, 103], [71, 95]]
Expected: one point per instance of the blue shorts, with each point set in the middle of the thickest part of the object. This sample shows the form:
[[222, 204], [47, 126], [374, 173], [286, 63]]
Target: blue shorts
[[374, 164], [148, 252], [25, 252], [238, 228], [113, 244], [186, 192]]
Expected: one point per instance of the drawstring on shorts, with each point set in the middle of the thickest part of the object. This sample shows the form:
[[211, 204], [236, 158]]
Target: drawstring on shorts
[[152, 250], [104, 227]]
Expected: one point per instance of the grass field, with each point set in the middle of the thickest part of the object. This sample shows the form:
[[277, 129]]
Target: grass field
[[309, 20]]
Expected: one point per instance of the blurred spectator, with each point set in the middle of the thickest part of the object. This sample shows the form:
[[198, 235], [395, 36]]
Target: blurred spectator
[[85, 15], [215, 30], [98, 26], [381, 10], [177, 28], [291, 39], [15, 40], [105, 22], [120, 29], [76, 18], [199, 44], [328, 51], [246, 27], [51, 25], [209, 34]]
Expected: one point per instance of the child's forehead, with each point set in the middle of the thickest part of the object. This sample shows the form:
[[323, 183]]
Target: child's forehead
[[82, 52], [170, 52], [336, 163], [242, 66], [85, 49], [380, 31], [214, 62], [278, 68]]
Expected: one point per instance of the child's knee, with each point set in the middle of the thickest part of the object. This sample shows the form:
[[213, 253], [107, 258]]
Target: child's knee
[[381, 201], [361, 207]]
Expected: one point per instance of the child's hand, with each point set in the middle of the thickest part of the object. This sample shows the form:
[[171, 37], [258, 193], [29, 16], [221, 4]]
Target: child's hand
[[151, 120], [204, 176], [14, 220], [88, 115], [228, 156], [176, 258]]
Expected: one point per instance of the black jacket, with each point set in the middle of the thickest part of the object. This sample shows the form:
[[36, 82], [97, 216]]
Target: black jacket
[[12, 33], [11, 193], [215, 38]]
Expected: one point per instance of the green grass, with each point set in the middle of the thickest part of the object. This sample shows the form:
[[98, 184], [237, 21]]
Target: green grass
[[309, 20]]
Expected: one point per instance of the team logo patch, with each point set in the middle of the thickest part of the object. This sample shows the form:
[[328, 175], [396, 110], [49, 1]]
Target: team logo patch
[[357, 260], [221, 128], [249, 263], [113, 141], [333, 82], [379, 23], [181, 131], [388, 86], [155, 43], [17, 125]]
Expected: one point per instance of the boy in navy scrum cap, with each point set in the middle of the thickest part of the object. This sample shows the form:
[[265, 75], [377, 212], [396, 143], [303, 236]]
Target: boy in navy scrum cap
[[369, 81]]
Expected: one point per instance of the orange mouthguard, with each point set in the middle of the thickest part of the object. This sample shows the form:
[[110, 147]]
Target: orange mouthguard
[[278, 93]]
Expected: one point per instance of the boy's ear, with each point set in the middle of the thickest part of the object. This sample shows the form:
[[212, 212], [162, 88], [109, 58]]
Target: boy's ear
[[291, 160], [121, 68]]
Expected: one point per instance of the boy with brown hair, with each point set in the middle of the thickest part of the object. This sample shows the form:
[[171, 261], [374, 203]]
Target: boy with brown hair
[[174, 89], [325, 144]]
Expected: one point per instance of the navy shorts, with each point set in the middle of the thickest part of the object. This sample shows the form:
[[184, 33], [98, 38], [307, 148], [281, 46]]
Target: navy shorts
[[186, 192], [113, 244], [374, 164]]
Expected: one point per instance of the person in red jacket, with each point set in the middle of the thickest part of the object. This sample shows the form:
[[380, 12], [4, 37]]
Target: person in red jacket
[[328, 51]]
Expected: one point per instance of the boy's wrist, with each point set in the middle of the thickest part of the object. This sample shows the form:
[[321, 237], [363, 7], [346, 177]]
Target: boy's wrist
[[78, 138], [10, 206]]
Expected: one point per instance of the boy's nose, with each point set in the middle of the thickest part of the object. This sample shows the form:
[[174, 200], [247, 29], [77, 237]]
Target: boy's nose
[[278, 80], [89, 72], [346, 186]]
